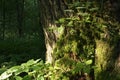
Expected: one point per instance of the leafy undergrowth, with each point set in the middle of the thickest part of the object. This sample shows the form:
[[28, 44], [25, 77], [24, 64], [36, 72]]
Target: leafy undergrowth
[[38, 70]]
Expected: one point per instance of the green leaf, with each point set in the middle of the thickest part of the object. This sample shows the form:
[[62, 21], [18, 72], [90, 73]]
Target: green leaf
[[60, 30], [5, 75], [35, 67], [70, 23], [83, 14], [26, 69], [104, 26], [62, 20], [18, 78], [80, 8], [88, 62], [56, 22], [30, 62], [40, 78], [9, 72], [27, 77], [13, 69], [94, 9]]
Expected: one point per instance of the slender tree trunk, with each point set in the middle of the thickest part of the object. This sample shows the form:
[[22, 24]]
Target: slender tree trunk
[[41, 34], [20, 16], [3, 20]]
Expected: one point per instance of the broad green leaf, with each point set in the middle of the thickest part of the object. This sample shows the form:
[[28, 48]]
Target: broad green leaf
[[70, 23], [60, 30], [18, 78], [62, 20], [104, 26], [5, 75], [30, 62], [14, 69], [40, 78], [37, 67], [88, 62], [9, 72], [27, 77], [26, 69]]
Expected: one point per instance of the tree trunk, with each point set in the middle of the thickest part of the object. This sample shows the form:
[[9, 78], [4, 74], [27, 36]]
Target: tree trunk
[[50, 11], [103, 51], [3, 19], [108, 57], [20, 16]]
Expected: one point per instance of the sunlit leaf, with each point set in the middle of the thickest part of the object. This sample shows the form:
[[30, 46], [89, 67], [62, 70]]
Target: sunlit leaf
[[14, 69], [5, 75], [40, 78], [88, 62], [62, 20], [30, 62], [104, 26]]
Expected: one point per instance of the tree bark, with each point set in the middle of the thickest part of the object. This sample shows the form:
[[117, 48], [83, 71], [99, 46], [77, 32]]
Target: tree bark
[[50, 11]]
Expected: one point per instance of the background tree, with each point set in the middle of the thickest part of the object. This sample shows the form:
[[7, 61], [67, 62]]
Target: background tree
[[21, 33]]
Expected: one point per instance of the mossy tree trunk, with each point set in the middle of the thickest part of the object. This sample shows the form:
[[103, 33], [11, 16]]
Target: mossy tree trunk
[[108, 47], [108, 57], [107, 52]]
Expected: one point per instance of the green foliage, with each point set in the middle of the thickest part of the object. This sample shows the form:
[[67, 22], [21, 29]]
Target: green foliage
[[32, 70], [75, 48], [16, 71], [80, 30], [38, 70]]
